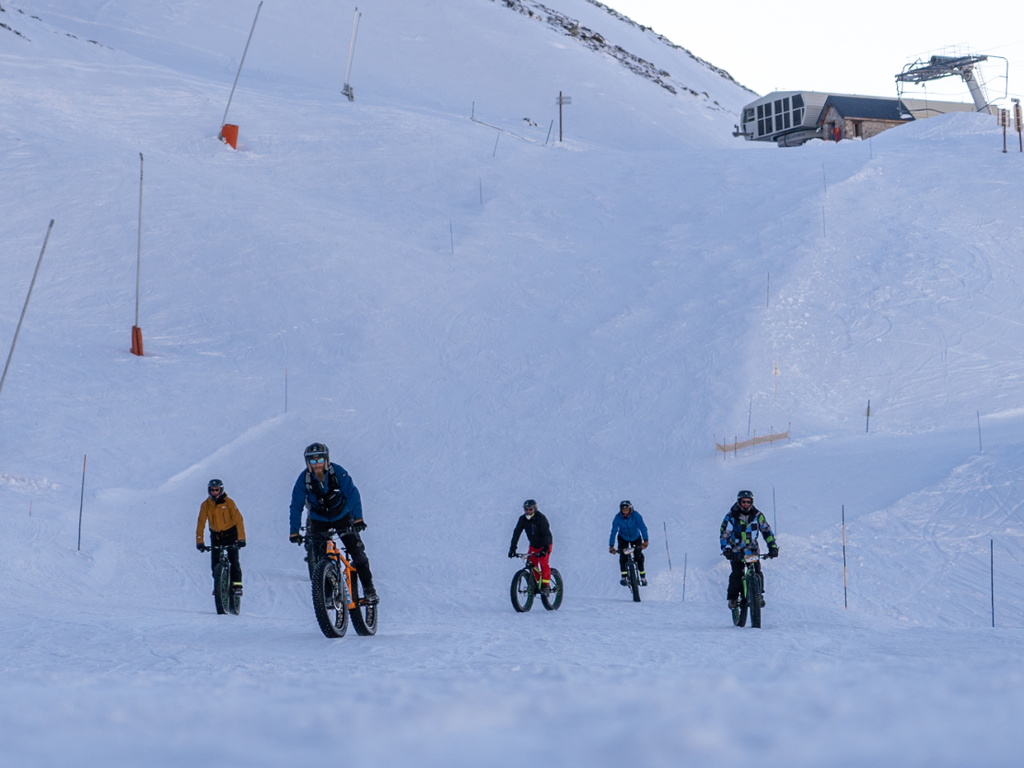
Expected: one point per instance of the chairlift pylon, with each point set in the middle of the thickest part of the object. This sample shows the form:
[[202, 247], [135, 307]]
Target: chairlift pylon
[[937, 67]]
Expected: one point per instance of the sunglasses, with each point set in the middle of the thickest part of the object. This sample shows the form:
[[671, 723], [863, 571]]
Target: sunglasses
[[746, 502], [316, 461]]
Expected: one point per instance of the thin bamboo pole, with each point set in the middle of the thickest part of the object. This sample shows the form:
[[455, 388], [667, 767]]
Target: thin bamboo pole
[[846, 604], [81, 504], [24, 308], [225, 120]]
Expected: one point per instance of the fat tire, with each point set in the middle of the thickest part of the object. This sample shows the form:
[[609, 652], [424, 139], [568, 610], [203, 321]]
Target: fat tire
[[523, 590], [739, 613], [221, 587], [633, 578], [754, 600], [362, 614], [553, 601], [333, 621], [235, 603]]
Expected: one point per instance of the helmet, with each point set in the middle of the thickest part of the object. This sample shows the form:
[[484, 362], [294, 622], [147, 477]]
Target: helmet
[[529, 504], [744, 495], [215, 484], [625, 504], [317, 451]]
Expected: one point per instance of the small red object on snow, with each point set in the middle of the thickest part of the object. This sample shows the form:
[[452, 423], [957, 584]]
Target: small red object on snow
[[136, 340], [229, 134]]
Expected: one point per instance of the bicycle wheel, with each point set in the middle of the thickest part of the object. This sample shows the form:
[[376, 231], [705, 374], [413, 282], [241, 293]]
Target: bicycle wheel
[[739, 613], [363, 615], [330, 599], [222, 587], [754, 600], [523, 590], [633, 578], [553, 601]]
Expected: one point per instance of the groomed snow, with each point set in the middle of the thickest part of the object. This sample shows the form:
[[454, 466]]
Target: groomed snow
[[468, 319]]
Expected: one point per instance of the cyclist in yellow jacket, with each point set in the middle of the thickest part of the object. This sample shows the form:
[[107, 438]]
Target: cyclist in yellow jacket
[[226, 527]]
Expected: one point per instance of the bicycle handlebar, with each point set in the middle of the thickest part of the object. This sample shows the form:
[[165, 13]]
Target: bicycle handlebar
[[328, 534], [210, 548]]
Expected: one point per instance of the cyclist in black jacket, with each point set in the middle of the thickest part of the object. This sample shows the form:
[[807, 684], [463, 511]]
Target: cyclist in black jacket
[[538, 531]]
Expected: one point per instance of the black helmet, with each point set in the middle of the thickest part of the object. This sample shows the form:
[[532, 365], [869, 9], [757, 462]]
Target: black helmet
[[529, 504], [744, 495], [625, 504], [317, 451], [215, 483]]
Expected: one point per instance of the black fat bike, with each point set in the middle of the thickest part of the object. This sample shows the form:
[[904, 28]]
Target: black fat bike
[[750, 599], [525, 587], [632, 573], [336, 590], [225, 598]]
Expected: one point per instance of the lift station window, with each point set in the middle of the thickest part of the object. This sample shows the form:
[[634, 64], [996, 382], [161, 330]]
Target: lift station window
[[778, 115]]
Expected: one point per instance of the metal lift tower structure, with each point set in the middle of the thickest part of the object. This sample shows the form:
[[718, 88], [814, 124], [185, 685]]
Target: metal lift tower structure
[[938, 67]]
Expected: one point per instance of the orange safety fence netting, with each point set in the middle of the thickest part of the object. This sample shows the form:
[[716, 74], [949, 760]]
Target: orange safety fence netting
[[756, 440]]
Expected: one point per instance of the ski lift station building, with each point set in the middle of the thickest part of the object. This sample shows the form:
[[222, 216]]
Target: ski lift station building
[[790, 118]]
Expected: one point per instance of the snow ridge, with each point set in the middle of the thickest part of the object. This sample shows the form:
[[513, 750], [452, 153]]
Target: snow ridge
[[622, 17], [596, 42]]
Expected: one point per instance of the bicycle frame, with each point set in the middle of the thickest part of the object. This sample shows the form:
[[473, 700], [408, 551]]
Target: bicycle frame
[[334, 553], [749, 567], [534, 566], [350, 573]]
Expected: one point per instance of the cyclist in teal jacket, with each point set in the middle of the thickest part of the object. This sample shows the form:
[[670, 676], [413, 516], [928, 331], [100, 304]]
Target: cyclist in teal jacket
[[628, 526], [739, 532]]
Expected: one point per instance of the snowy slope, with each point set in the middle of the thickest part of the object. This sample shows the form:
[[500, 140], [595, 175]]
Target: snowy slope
[[470, 315]]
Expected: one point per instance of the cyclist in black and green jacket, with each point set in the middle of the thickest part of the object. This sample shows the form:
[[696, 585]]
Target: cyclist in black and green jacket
[[739, 538]]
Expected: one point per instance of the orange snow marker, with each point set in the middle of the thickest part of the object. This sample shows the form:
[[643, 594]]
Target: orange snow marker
[[136, 340], [229, 134]]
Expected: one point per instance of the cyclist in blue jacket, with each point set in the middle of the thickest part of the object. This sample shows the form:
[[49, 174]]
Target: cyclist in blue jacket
[[739, 538], [629, 527], [334, 503]]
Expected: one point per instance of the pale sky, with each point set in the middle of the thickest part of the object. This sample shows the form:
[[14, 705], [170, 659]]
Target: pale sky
[[842, 48]]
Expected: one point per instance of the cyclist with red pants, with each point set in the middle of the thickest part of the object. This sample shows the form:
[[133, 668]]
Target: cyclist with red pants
[[538, 531]]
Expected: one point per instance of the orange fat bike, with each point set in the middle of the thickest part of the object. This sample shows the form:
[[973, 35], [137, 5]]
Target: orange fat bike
[[337, 592]]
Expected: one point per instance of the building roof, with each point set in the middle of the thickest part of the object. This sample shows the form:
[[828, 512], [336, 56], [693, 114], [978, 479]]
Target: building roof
[[866, 108]]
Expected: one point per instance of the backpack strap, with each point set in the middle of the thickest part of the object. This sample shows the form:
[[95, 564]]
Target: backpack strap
[[315, 490]]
